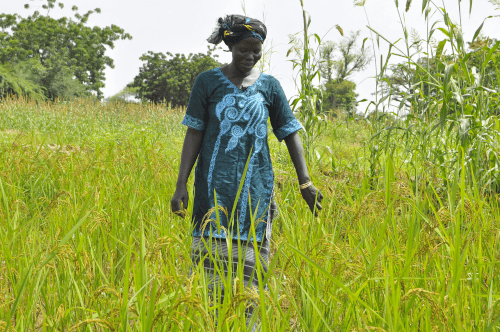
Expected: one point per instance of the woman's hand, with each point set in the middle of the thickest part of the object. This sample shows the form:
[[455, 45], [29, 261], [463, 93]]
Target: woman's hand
[[309, 194], [296, 150], [180, 195], [190, 150]]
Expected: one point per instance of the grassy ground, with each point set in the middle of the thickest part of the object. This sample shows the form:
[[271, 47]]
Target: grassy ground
[[88, 242]]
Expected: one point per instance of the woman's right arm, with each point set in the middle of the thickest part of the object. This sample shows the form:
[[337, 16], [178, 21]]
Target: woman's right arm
[[190, 151]]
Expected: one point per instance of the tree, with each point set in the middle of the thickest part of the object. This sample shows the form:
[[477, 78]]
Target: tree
[[341, 95], [66, 48], [328, 60], [167, 77], [126, 95], [350, 59], [338, 62]]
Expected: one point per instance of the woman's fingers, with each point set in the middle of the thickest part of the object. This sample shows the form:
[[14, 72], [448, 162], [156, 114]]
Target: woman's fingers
[[176, 203], [313, 197], [176, 208], [180, 212], [318, 208], [320, 196]]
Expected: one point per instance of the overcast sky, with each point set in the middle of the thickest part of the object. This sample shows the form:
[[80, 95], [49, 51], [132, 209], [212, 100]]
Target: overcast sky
[[182, 26]]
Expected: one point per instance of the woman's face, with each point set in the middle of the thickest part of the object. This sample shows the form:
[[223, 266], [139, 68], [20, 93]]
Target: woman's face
[[246, 53]]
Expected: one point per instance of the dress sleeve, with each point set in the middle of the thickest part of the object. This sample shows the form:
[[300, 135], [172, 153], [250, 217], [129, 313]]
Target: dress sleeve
[[282, 119], [196, 112]]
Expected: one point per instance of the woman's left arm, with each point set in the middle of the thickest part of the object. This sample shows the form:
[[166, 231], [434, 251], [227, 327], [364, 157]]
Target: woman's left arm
[[296, 151]]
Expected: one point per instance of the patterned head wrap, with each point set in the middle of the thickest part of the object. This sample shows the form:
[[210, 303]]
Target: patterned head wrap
[[234, 28]]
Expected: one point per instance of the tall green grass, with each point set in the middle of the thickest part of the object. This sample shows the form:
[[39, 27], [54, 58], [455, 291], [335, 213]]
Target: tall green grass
[[451, 101], [88, 241]]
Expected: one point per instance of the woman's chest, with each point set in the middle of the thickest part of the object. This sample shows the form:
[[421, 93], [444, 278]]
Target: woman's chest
[[245, 109], [237, 118]]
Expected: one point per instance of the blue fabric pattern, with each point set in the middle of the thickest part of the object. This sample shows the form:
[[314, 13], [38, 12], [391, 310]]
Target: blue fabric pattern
[[193, 122], [251, 110], [235, 125], [287, 129]]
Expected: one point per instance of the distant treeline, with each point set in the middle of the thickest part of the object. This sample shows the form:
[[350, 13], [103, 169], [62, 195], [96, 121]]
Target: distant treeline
[[47, 58]]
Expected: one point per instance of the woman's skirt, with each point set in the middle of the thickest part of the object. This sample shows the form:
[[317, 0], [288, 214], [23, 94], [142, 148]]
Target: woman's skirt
[[213, 253]]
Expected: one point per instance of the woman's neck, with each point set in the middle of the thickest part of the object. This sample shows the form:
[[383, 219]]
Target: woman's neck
[[236, 73]]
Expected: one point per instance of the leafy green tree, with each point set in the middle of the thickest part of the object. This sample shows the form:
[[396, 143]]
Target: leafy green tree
[[340, 95], [328, 57], [66, 48], [126, 95], [167, 77], [339, 62], [347, 60]]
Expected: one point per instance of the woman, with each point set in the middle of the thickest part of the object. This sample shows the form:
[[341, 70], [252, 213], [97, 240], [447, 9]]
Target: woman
[[227, 126]]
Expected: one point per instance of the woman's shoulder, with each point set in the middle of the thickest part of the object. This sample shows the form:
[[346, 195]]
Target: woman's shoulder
[[206, 79], [209, 73], [271, 80]]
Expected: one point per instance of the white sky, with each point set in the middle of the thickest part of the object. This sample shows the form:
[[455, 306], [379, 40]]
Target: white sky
[[182, 26]]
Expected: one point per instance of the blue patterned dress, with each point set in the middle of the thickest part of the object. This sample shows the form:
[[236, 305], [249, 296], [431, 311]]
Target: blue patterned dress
[[234, 126]]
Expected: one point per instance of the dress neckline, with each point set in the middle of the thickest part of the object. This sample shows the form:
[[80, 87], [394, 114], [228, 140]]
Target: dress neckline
[[228, 81]]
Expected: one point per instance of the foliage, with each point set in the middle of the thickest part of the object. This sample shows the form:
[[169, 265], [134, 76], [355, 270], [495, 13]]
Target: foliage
[[402, 78], [496, 3], [479, 50], [56, 79], [350, 60], [340, 96], [88, 242], [13, 82], [127, 94], [66, 48], [167, 77], [451, 102], [328, 60], [338, 62], [308, 100]]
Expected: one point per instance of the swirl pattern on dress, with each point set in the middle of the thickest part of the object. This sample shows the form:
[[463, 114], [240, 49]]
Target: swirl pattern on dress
[[237, 131], [230, 100], [231, 114], [261, 131]]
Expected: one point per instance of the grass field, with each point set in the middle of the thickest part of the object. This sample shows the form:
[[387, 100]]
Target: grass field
[[88, 242]]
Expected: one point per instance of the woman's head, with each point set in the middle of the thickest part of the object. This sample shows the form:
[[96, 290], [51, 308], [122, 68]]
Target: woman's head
[[234, 28], [246, 53]]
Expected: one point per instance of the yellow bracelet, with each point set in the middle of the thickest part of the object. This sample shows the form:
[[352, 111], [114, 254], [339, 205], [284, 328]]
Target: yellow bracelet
[[305, 185]]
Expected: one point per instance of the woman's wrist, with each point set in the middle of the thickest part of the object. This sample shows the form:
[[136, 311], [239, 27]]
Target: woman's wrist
[[181, 184], [303, 179]]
